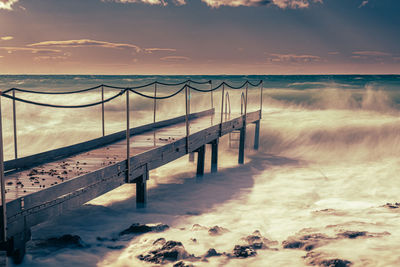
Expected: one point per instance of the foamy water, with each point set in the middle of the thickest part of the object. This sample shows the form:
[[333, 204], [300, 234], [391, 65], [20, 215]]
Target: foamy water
[[327, 164]]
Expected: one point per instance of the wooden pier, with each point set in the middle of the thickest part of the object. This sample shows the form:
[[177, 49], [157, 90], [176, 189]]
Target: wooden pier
[[39, 187]]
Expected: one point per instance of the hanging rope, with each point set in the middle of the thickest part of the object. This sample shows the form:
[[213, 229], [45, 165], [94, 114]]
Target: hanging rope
[[108, 86], [158, 97], [63, 106], [122, 91]]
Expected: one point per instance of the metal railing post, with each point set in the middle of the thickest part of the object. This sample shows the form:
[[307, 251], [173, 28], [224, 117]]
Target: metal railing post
[[212, 96], [155, 103], [15, 126], [245, 103], [3, 187], [102, 110], [189, 96], [187, 118], [261, 97], [128, 134], [222, 109], [241, 103]]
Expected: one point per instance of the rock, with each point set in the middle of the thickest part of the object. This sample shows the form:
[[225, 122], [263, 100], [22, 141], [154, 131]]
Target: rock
[[307, 242], [212, 253], [182, 264], [392, 206], [257, 241], [171, 251], [142, 228], [352, 234], [160, 241], [357, 234], [216, 230], [198, 227], [243, 251], [71, 241], [320, 259]]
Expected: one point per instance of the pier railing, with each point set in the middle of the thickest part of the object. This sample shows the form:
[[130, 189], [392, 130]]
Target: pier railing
[[186, 86]]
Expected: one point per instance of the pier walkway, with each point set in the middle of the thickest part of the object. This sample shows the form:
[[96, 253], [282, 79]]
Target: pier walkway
[[39, 187]]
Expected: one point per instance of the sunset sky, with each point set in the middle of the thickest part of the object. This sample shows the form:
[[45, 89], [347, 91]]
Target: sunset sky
[[199, 36]]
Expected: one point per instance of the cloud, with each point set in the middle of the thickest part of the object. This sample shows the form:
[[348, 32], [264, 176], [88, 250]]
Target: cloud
[[46, 58], [364, 3], [175, 58], [279, 3], [86, 43], [151, 50], [293, 58], [149, 2], [10, 50], [371, 53], [334, 53], [232, 3], [7, 4], [6, 38]]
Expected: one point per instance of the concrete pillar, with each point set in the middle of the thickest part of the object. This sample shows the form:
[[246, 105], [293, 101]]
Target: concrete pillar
[[257, 135], [241, 144], [214, 155], [201, 153]]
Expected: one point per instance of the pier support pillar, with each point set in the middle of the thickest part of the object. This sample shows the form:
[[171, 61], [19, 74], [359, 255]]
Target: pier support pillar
[[257, 135], [3, 259], [214, 155], [15, 246], [241, 144], [201, 153], [141, 190]]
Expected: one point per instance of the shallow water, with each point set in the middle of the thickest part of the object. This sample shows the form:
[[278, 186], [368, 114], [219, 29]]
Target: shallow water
[[327, 164]]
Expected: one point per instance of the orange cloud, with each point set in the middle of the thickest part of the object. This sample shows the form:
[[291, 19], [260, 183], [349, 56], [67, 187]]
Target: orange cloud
[[293, 58], [175, 58], [371, 53], [11, 49], [6, 38], [280, 3], [150, 2], [86, 43], [151, 50]]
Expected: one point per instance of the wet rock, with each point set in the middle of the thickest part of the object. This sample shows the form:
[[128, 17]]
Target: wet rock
[[198, 227], [212, 253], [307, 242], [357, 234], [243, 251], [322, 260], [182, 264], [160, 241], [9, 183], [392, 206], [171, 251], [216, 230], [137, 228], [257, 241], [71, 241], [352, 234]]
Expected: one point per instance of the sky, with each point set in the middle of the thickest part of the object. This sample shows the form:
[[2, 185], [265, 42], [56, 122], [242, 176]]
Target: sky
[[199, 37]]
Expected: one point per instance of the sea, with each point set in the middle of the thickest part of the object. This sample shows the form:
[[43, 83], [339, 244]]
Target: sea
[[322, 190]]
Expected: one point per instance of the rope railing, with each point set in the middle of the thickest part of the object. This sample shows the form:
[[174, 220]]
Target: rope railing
[[123, 90], [103, 85], [63, 106]]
